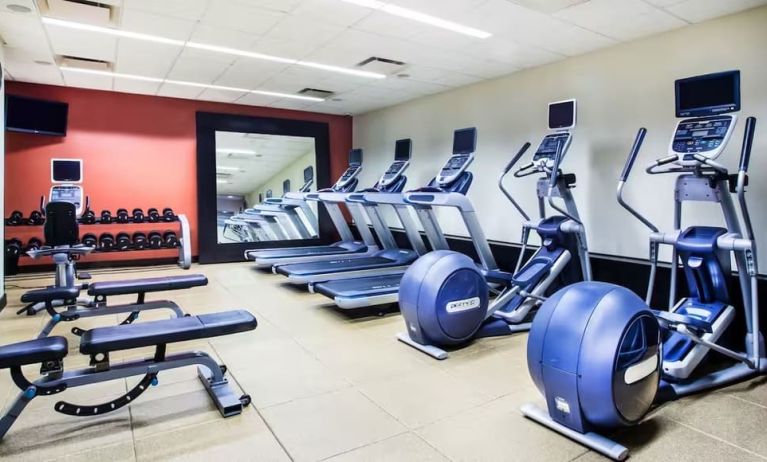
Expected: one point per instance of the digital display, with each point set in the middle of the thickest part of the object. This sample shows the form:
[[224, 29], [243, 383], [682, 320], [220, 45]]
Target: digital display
[[402, 149], [66, 171], [562, 115], [308, 174], [700, 133], [355, 157], [37, 116], [286, 186], [708, 94], [465, 141]]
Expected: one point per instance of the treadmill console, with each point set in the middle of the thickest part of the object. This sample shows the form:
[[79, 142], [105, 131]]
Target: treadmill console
[[402, 151], [547, 150], [455, 166], [354, 169], [704, 135]]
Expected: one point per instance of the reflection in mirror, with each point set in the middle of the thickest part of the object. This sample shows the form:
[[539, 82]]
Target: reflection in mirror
[[249, 166]]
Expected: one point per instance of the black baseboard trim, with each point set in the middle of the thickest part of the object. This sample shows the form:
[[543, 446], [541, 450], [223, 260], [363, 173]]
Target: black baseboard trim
[[3, 301]]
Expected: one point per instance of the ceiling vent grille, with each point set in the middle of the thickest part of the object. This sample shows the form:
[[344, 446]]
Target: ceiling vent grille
[[382, 65], [104, 13], [83, 63], [316, 93]]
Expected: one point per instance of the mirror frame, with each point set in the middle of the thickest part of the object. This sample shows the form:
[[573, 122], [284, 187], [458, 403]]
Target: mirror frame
[[208, 123]]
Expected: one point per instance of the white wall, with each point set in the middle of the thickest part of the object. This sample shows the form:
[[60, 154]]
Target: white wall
[[619, 90]]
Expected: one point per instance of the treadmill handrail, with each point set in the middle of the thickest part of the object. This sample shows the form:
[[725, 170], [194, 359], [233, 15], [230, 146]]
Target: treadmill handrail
[[440, 199]]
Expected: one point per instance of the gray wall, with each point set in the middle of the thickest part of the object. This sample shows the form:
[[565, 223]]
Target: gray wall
[[619, 90]]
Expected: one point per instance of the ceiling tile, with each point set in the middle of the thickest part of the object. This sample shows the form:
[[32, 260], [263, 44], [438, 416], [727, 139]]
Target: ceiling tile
[[331, 12], [141, 58], [239, 15], [249, 73], [136, 86], [253, 99], [95, 82], [299, 29], [22, 31], [550, 6], [28, 71], [622, 20], [222, 36], [221, 96], [82, 44], [284, 6], [200, 66], [702, 10], [179, 91], [150, 23], [183, 9]]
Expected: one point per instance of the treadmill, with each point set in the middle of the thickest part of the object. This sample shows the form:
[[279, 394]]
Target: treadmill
[[266, 258], [383, 289], [389, 258]]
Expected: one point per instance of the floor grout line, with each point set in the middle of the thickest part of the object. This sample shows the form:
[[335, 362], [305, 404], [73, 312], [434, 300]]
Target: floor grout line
[[717, 438]]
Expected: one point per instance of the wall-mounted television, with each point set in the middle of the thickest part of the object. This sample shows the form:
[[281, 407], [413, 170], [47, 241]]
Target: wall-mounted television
[[30, 115]]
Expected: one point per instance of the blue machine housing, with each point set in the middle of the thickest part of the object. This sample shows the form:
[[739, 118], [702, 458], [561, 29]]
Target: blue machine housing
[[582, 342]]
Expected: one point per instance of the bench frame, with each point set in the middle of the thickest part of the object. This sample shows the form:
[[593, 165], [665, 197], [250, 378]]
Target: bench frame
[[55, 380]]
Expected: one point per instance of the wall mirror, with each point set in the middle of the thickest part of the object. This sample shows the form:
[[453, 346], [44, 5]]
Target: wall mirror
[[253, 173]]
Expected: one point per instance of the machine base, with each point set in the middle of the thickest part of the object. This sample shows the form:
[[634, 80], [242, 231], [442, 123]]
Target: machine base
[[434, 352], [591, 440]]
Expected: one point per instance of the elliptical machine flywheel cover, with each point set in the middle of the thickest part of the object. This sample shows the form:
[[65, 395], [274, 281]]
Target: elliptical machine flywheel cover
[[444, 298], [594, 351]]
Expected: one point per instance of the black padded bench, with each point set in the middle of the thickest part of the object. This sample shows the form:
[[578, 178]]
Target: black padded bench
[[126, 337], [145, 285], [33, 352], [50, 294]]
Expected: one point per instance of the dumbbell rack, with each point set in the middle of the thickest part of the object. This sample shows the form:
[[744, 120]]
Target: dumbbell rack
[[180, 226]]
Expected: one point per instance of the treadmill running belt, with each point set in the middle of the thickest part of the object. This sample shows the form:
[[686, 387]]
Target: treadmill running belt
[[333, 266], [302, 251], [360, 287]]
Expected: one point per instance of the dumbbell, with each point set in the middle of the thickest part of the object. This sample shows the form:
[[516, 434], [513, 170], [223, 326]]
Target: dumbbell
[[106, 217], [33, 244], [89, 240], [170, 239], [123, 241], [12, 248], [138, 215], [139, 240], [155, 240], [122, 216], [106, 241], [88, 218], [152, 215], [35, 218], [168, 215], [16, 218]]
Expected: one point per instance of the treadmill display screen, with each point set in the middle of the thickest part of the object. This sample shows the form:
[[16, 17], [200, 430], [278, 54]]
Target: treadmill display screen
[[402, 149], [308, 174], [708, 94], [355, 157], [465, 141], [562, 115]]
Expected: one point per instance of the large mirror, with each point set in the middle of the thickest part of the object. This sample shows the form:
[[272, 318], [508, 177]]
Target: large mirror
[[252, 177], [255, 174]]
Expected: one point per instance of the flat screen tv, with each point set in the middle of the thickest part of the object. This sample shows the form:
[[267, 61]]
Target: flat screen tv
[[30, 115]]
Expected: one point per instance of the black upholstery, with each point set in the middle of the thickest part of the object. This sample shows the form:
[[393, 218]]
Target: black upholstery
[[128, 336], [134, 286], [61, 226], [33, 352], [50, 294]]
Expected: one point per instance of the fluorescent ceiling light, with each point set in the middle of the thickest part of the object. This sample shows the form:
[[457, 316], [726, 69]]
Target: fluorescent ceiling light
[[211, 48], [219, 181], [420, 17], [224, 167], [119, 75], [236, 151]]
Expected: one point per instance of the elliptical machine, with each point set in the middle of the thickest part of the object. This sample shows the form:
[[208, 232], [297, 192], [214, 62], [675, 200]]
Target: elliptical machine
[[445, 296], [600, 355]]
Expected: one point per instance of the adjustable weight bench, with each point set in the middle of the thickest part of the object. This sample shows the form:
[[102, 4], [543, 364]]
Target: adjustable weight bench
[[98, 343], [60, 302]]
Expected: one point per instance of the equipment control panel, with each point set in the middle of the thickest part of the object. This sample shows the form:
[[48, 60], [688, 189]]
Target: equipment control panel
[[455, 166], [705, 135], [68, 193], [349, 175], [395, 171], [547, 150]]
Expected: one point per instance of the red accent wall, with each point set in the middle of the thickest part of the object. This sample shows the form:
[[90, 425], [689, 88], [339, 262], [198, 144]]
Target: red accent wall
[[137, 151]]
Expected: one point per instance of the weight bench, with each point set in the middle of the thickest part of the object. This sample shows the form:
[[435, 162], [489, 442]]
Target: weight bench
[[98, 343], [53, 299]]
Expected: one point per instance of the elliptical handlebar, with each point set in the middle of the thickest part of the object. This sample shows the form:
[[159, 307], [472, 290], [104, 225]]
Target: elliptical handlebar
[[555, 169], [633, 154], [745, 157], [506, 170], [748, 142], [516, 157]]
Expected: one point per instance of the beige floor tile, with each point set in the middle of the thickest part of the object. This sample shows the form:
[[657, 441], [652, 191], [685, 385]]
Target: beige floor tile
[[406, 447], [240, 438], [121, 452], [332, 423], [754, 390], [424, 396], [497, 431]]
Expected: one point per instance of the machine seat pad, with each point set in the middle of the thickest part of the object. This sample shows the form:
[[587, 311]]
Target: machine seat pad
[[135, 286], [144, 334], [33, 352], [50, 294]]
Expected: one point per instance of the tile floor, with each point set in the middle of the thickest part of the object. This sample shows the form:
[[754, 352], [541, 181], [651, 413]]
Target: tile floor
[[329, 387]]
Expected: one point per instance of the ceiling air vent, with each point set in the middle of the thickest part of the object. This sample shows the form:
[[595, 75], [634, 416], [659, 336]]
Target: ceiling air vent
[[83, 63], [324, 94], [103, 13], [382, 65]]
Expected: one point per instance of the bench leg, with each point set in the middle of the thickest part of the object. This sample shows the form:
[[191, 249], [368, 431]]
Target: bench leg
[[14, 411], [228, 403]]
